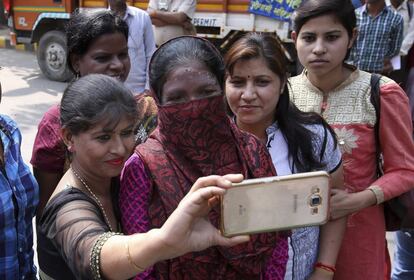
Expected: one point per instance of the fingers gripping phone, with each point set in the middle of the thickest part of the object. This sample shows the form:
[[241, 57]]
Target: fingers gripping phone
[[275, 203]]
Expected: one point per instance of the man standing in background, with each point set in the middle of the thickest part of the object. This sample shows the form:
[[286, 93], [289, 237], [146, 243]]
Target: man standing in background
[[171, 18], [405, 9], [141, 43], [19, 196], [380, 34]]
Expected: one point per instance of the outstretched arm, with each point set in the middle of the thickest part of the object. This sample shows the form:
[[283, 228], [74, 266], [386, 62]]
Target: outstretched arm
[[187, 229]]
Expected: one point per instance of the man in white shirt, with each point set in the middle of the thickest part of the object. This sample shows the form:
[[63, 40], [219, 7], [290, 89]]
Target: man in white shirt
[[141, 44], [405, 9], [171, 18]]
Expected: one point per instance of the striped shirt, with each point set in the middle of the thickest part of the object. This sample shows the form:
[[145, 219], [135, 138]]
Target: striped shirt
[[378, 38], [19, 195]]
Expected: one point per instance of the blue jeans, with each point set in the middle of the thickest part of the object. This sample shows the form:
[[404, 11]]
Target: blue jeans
[[403, 267]]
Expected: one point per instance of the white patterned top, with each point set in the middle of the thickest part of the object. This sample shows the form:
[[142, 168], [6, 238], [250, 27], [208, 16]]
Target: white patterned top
[[304, 242]]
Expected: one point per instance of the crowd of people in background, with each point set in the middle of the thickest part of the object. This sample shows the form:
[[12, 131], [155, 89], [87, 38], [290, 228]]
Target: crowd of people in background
[[156, 126]]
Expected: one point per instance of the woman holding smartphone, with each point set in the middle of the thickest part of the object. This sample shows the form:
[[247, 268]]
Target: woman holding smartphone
[[324, 33], [80, 226], [258, 97]]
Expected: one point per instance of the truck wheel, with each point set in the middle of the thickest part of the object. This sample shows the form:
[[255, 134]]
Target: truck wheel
[[51, 56]]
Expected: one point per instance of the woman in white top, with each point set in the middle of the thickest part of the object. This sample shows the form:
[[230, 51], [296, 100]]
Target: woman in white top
[[258, 96]]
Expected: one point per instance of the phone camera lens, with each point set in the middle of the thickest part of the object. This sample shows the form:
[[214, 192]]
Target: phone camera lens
[[315, 200]]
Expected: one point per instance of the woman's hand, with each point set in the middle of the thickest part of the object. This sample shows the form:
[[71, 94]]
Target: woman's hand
[[344, 203], [188, 228]]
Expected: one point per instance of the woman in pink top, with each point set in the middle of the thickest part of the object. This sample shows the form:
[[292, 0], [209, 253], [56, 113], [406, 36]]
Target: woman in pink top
[[195, 137]]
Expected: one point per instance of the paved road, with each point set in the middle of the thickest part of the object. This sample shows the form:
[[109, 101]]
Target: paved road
[[27, 94]]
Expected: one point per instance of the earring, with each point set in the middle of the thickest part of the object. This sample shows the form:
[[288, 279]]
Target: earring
[[70, 148]]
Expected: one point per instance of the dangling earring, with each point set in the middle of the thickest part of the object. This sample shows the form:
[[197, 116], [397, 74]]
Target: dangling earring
[[70, 149]]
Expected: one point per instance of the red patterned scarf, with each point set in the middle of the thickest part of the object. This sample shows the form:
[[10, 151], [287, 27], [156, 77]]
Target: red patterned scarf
[[196, 139]]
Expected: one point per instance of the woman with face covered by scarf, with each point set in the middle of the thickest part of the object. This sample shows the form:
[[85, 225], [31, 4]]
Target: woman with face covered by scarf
[[195, 138]]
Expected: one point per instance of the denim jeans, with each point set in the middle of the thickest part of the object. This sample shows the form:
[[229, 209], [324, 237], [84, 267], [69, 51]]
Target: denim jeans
[[403, 267]]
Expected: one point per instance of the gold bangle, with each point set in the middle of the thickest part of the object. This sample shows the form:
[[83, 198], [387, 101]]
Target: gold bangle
[[95, 259], [131, 262], [379, 194]]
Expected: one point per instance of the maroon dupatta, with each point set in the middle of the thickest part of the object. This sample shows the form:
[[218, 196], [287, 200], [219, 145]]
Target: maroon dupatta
[[197, 139]]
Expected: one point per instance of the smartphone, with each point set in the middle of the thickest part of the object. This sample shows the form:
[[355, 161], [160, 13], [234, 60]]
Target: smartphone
[[276, 203]]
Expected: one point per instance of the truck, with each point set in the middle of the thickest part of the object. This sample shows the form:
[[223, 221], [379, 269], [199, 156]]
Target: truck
[[42, 22]]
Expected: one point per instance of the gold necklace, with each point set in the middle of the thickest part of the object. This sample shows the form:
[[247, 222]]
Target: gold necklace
[[94, 197]]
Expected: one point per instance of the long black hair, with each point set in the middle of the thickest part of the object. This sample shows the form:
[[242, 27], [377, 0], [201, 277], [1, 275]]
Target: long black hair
[[291, 121]]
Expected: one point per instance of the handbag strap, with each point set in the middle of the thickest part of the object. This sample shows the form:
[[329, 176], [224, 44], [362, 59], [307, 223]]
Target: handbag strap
[[376, 102]]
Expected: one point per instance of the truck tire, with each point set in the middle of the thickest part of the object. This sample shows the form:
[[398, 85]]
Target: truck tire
[[51, 56]]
